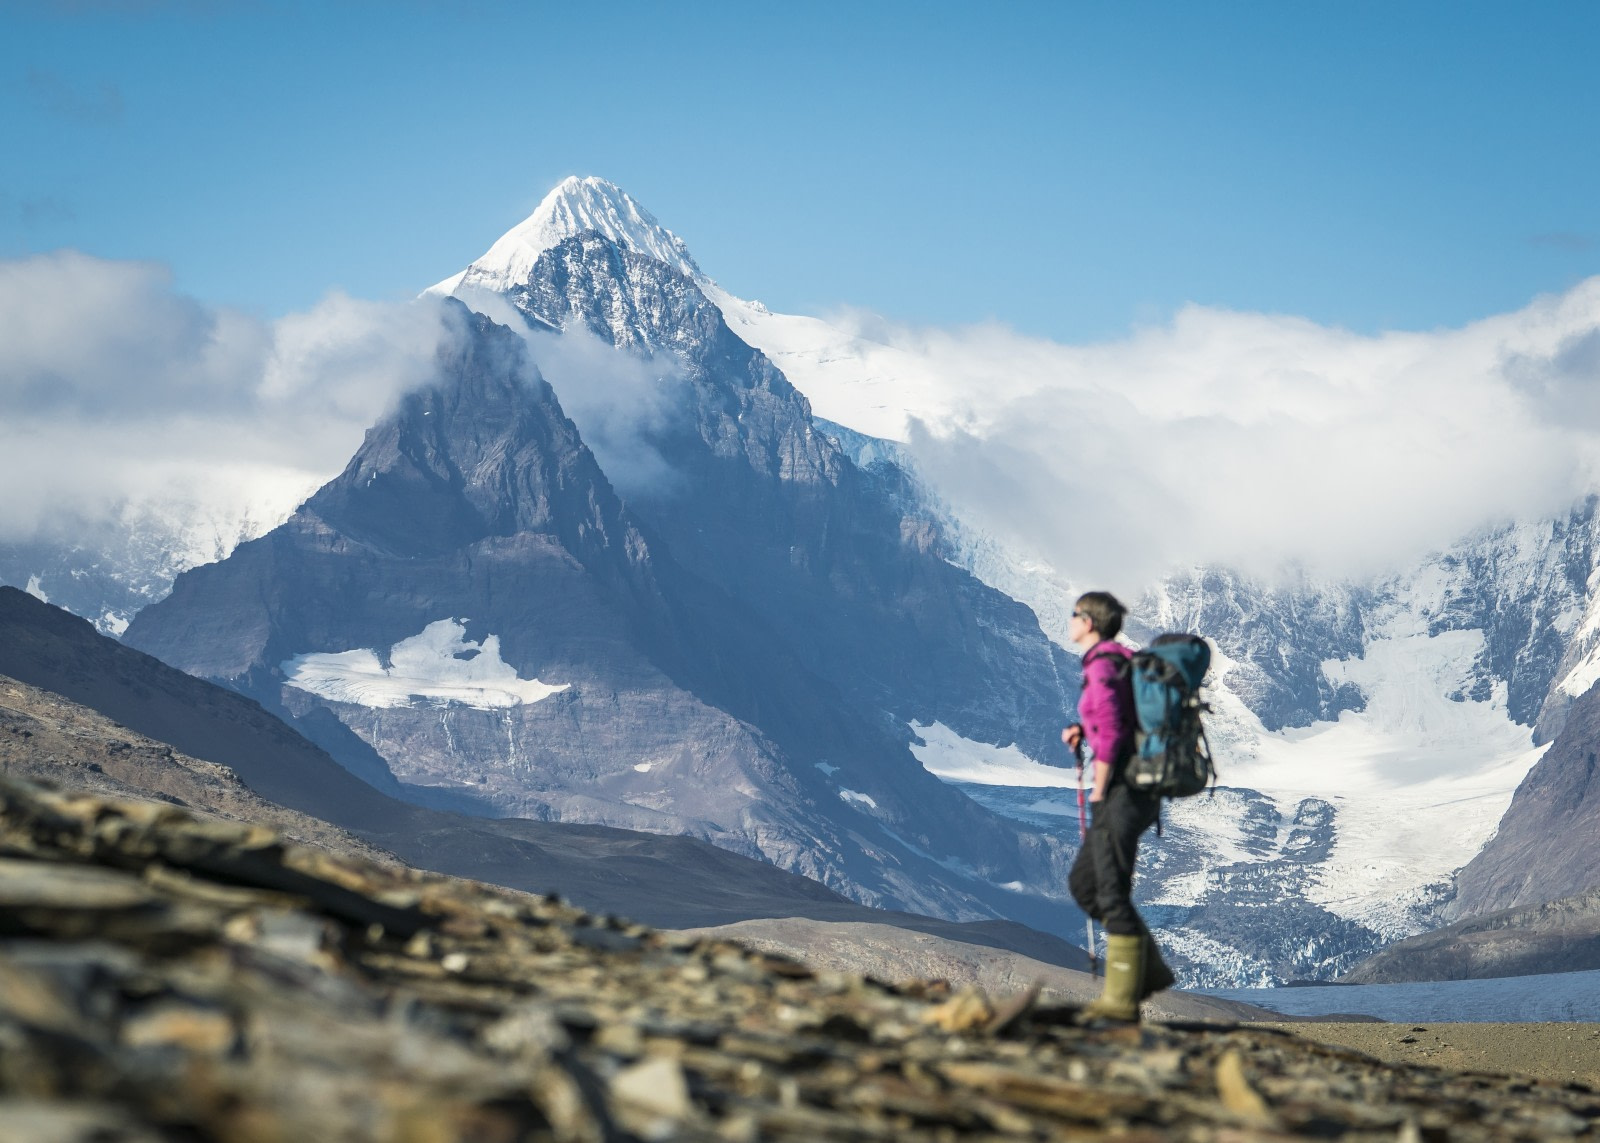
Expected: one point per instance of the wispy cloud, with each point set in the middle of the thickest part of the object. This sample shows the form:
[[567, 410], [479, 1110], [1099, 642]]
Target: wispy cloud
[[37, 212], [1568, 241], [95, 104]]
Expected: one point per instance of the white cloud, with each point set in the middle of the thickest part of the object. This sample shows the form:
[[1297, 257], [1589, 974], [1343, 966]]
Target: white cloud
[[117, 392], [1258, 441]]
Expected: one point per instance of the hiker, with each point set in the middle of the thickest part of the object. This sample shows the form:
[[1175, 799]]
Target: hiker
[[1101, 879]]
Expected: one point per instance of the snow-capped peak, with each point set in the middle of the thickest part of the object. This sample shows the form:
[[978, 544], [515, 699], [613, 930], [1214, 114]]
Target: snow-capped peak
[[575, 206]]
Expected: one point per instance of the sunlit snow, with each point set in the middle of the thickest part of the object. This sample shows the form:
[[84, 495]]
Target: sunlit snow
[[947, 755], [855, 797], [438, 666], [1418, 782], [575, 206]]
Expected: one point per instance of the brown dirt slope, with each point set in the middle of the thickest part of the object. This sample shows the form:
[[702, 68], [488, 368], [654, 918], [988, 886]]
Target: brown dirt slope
[[1557, 1053]]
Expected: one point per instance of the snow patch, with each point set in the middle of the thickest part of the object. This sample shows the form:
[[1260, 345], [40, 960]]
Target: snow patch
[[1577, 681], [644, 767], [856, 798], [34, 589], [945, 754], [830, 771], [436, 667]]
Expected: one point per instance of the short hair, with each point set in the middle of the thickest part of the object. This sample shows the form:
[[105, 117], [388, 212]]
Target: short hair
[[1104, 612]]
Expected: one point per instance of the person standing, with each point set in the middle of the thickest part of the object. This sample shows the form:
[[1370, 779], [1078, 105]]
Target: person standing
[[1101, 879]]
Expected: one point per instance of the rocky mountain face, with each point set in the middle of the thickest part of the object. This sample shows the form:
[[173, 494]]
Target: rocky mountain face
[[471, 607], [1556, 936], [99, 716], [846, 562], [1541, 851], [173, 978]]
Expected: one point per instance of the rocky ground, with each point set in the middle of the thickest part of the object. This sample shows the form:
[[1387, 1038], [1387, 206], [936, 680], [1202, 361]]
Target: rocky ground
[[166, 977], [891, 953]]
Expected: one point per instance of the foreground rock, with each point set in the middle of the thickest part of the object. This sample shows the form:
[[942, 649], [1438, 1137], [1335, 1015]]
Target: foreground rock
[[163, 977], [890, 952]]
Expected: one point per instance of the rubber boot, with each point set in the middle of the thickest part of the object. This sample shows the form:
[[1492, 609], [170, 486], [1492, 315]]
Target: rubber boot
[[1157, 976], [1124, 974]]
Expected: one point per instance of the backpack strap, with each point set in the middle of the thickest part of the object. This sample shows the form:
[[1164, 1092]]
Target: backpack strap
[[1121, 665]]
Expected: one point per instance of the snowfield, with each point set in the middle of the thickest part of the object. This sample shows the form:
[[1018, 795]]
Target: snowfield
[[945, 754], [436, 667]]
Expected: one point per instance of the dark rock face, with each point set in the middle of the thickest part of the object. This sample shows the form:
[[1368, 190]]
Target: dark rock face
[[168, 978], [1559, 936], [683, 711], [1543, 849]]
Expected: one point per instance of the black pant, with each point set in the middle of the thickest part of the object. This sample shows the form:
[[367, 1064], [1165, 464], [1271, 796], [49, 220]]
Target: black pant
[[1101, 880]]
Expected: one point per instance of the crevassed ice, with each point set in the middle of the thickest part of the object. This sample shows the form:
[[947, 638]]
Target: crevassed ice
[[426, 669]]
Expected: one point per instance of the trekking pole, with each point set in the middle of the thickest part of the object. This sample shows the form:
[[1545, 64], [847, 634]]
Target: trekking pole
[[1083, 843]]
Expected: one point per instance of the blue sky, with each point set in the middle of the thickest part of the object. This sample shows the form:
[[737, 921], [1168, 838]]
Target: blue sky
[[1070, 170]]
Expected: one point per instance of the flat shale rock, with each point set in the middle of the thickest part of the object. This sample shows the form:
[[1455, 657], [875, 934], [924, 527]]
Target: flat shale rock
[[164, 977]]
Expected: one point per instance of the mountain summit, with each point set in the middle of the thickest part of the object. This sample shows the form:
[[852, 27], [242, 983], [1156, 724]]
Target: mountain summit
[[576, 206]]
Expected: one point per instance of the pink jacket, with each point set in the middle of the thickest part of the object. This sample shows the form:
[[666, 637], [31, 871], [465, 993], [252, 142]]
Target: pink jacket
[[1106, 706]]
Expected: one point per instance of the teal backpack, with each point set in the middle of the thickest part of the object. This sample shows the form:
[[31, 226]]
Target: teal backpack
[[1171, 757]]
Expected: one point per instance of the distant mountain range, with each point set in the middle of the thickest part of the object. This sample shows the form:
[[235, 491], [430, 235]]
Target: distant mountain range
[[610, 568], [80, 709]]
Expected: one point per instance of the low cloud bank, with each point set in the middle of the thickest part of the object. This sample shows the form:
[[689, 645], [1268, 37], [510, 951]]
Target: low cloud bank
[[1264, 443], [116, 392]]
